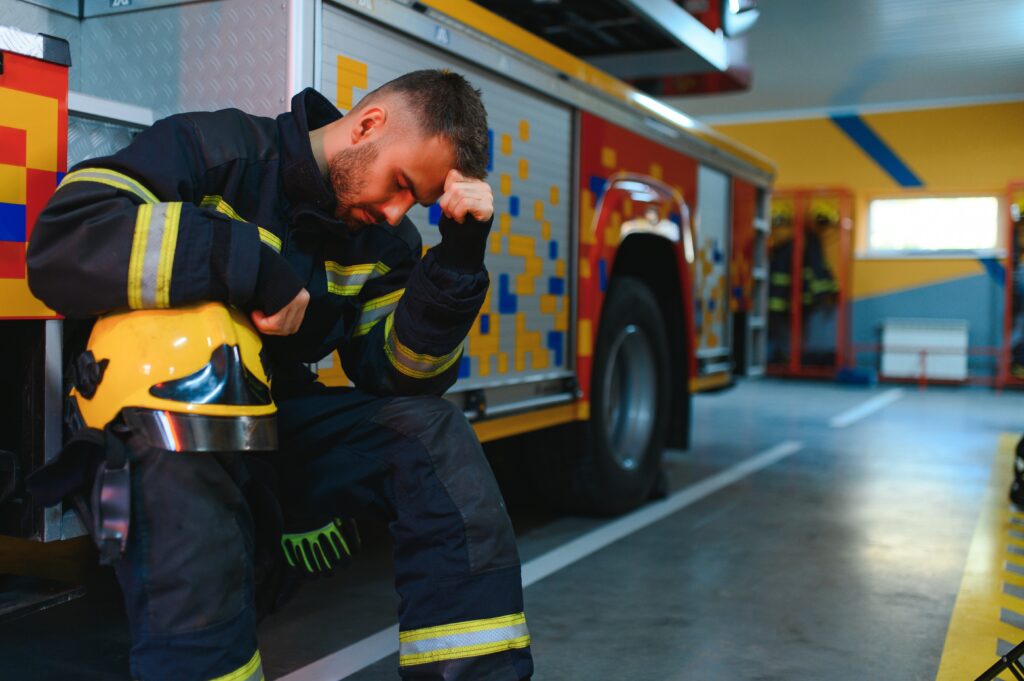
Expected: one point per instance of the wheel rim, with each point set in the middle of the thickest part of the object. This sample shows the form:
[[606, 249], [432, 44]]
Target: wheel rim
[[630, 392]]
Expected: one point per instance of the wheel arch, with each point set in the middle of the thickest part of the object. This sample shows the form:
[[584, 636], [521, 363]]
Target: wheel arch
[[652, 259]]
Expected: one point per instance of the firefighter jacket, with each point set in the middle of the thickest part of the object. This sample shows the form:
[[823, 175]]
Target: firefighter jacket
[[818, 286], [231, 207]]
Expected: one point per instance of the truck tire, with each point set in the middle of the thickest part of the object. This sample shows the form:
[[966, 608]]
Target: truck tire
[[610, 464]]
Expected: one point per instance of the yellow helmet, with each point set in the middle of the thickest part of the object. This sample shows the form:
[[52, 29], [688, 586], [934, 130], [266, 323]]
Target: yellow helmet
[[823, 212], [187, 379]]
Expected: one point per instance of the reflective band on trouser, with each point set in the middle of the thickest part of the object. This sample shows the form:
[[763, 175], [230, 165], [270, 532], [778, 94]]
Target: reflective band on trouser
[[250, 671], [780, 279], [463, 639], [348, 280], [111, 178], [778, 304], [414, 364], [375, 310], [218, 204], [152, 255]]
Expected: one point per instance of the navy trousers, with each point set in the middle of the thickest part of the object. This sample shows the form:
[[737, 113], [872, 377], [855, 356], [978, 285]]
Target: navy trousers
[[188, 572]]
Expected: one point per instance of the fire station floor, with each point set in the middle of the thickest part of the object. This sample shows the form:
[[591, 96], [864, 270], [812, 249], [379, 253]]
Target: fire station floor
[[812, 531]]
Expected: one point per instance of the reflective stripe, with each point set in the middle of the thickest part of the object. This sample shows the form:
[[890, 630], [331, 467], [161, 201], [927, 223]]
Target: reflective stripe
[[135, 262], [218, 204], [778, 304], [780, 278], [463, 639], [111, 178], [152, 257], [348, 280], [414, 364], [269, 238], [250, 671], [375, 310]]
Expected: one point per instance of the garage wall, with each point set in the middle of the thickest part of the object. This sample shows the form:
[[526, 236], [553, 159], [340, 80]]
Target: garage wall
[[968, 149]]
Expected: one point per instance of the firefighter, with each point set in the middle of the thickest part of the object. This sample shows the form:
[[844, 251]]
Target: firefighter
[[300, 222]]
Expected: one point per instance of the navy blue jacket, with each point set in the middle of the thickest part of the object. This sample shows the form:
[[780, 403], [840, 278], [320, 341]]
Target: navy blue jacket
[[231, 207]]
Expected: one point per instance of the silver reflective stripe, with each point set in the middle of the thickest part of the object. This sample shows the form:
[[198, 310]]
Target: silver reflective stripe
[[151, 259], [111, 178], [414, 364], [453, 645], [369, 318], [348, 280]]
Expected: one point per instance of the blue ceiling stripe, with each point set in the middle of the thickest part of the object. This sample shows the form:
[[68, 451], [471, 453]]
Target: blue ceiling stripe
[[873, 145]]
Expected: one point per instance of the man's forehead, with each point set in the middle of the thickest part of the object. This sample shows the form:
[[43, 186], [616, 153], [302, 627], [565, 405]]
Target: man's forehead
[[427, 165]]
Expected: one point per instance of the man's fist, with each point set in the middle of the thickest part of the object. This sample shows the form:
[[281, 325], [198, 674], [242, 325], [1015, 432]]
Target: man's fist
[[465, 196], [285, 321]]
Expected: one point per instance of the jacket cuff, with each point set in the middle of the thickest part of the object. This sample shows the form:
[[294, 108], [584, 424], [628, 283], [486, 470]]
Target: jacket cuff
[[462, 246], [277, 284]]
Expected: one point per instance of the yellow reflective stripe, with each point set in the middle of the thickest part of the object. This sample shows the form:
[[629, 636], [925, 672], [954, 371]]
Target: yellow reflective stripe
[[414, 364], [463, 651], [375, 310], [269, 238], [250, 671], [166, 263], [217, 203], [463, 639], [111, 178], [151, 261], [384, 300], [461, 627], [348, 280], [138, 255]]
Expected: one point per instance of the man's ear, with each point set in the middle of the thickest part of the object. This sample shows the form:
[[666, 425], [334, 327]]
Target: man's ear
[[369, 124]]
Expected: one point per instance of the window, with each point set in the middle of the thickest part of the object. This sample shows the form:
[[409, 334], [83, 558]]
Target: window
[[933, 226]]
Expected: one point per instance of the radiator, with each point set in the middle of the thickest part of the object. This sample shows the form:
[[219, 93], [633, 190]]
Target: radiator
[[938, 346]]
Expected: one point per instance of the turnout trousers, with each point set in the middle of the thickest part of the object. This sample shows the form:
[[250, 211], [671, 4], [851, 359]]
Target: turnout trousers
[[188, 571]]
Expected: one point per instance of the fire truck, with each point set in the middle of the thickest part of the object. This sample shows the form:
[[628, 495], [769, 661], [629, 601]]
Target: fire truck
[[626, 258]]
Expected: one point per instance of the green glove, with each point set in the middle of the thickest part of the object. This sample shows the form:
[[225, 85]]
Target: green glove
[[319, 551]]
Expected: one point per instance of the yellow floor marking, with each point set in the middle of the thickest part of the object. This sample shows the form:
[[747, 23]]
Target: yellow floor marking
[[975, 627]]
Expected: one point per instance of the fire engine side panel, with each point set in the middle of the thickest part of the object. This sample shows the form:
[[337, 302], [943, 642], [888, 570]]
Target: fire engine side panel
[[607, 149], [522, 332], [711, 280]]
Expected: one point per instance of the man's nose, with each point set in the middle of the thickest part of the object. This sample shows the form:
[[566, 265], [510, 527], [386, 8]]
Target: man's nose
[[395, 209]]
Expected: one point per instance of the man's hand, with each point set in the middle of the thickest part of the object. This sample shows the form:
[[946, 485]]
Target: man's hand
[[285, 321], [465, 196]]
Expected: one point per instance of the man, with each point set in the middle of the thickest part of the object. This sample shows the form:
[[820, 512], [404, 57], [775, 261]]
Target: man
[[301, 222]]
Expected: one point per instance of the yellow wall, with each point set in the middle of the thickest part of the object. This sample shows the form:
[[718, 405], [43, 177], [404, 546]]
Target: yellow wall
[[970, 150]]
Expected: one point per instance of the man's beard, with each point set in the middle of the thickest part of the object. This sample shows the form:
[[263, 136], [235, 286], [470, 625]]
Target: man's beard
[[348, 178]]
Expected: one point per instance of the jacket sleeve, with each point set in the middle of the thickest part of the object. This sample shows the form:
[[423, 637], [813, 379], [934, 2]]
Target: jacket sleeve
[[125, 231], [412, 322]]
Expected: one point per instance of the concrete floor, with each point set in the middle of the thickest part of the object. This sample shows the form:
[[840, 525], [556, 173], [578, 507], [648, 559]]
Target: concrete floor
[[840, 557]]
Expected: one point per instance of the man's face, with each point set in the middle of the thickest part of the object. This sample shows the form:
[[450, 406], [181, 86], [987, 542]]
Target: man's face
[[379, 180]]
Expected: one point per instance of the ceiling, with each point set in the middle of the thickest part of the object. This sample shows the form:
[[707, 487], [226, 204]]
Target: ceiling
[[841, 55]]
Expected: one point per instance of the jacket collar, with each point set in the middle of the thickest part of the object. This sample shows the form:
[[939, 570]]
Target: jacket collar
[[303, 181]]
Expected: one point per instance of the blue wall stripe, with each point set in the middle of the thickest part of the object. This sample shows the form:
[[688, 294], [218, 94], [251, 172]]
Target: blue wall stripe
[[875, 147]]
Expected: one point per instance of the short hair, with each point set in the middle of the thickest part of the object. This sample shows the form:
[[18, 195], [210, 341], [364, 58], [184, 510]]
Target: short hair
[[444, 103]]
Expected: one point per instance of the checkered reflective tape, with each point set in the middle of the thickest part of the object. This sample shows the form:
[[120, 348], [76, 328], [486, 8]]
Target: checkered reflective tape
[[463, 639]]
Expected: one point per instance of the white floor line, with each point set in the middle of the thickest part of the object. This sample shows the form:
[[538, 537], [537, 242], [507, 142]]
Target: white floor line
[[362, 654], [866, 409]]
